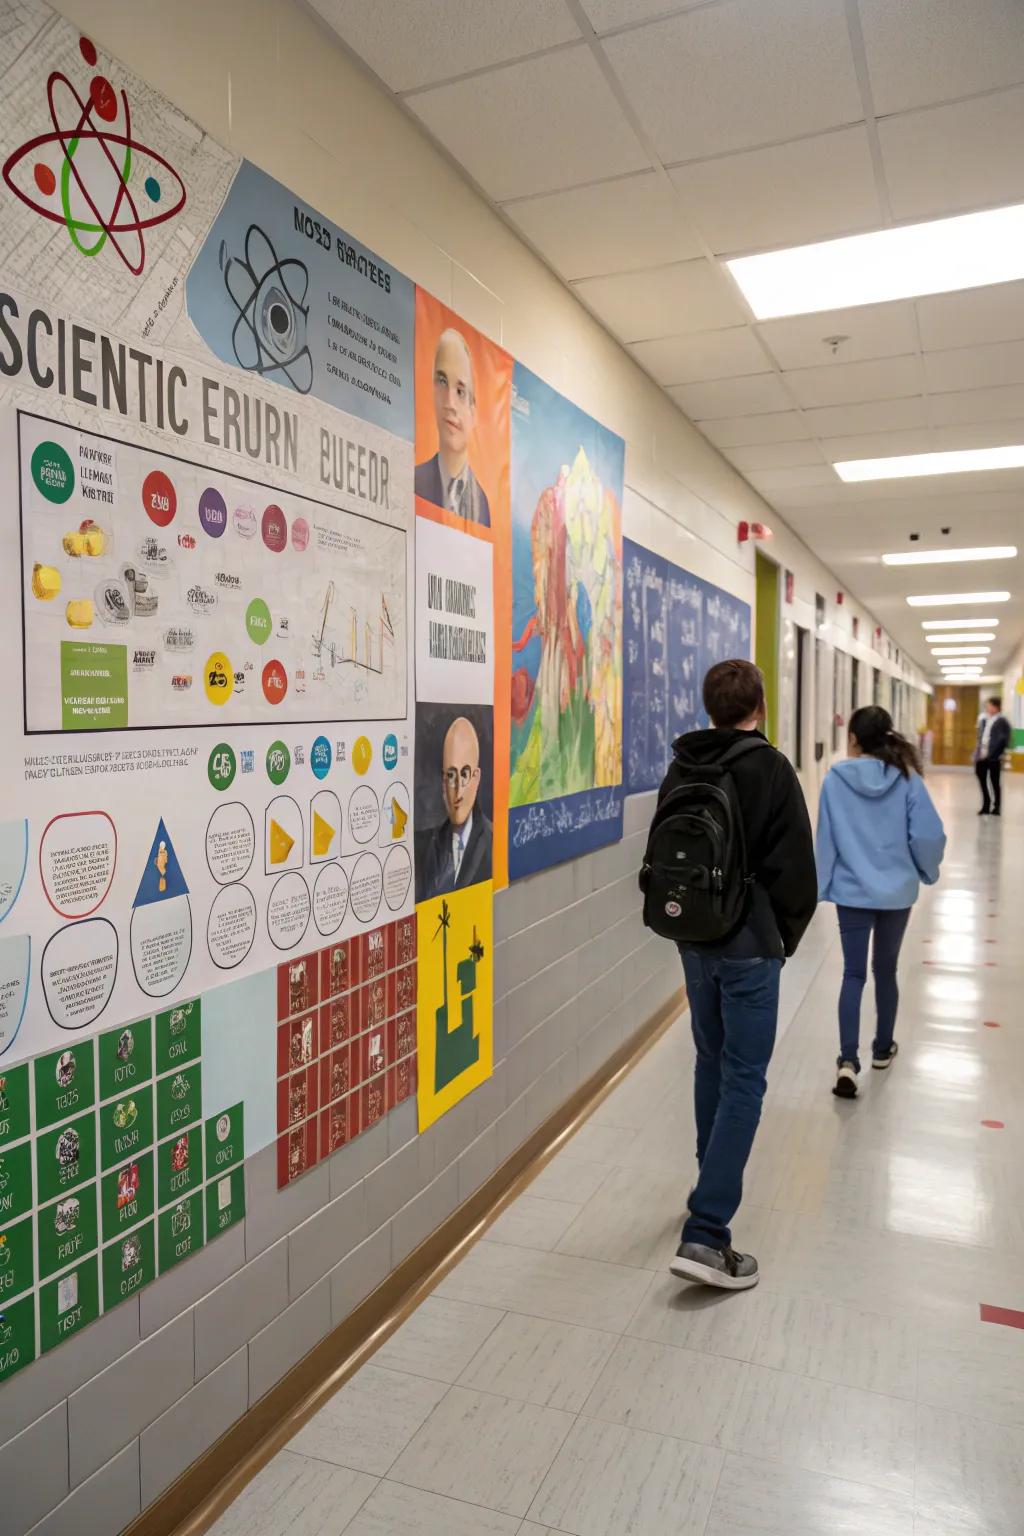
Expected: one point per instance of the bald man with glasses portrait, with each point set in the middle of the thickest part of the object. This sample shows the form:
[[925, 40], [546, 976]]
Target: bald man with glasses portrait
[[456, 854]]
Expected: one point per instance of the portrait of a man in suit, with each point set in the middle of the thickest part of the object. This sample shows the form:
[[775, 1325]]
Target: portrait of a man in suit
[[447, 480], [457, 853]]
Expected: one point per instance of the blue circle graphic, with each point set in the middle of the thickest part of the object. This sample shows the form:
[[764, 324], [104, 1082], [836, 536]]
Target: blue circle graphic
[[320, 757], [389, 751]]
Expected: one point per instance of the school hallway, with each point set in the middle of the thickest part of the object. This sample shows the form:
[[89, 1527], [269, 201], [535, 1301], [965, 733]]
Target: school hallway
[[560, 1379]]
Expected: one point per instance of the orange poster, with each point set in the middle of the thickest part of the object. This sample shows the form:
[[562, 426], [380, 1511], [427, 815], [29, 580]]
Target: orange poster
[[463, 406]]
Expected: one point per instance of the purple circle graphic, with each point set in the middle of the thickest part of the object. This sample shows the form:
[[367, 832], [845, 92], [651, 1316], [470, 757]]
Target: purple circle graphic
[[213, 512]]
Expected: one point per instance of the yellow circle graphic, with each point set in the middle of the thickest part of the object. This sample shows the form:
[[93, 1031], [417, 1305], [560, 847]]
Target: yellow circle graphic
[[218, 678], [362, 754]]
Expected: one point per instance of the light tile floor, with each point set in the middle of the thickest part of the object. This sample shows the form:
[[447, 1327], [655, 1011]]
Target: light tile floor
[[559, 1380]]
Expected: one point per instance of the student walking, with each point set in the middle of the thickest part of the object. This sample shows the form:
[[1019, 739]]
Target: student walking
[[993, 740], [728, 875], [879, 836]]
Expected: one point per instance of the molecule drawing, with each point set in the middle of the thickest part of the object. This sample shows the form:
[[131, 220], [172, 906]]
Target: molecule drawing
[[81, 170], [269, 295]]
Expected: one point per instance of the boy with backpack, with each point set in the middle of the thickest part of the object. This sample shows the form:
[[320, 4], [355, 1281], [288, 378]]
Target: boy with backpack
[[729, 875]]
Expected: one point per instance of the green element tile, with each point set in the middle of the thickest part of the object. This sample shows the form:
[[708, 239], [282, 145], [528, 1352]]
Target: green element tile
[[126, 1058], [15, 1181], [179, 1035], [126, 1126], [225, 1202], [17, 1336], [94, 687], [67, 1231], [69, 1304], [17, 1261], [15, 1115], [179, 1165], [65, 1083], [128, 1265], [65, 1157], [180, 1231], [179, 1101], [126, 1196], [225, 1141]]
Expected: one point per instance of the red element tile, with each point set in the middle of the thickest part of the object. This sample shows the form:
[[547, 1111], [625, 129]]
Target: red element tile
[[297, 1043], [335, 970], [991, 1024], [297, 1152], [297, 986], [298, 1097], [375, 952], [336, 1075], [335, 1022], [375, 1003], [405, 988], [1007, 1317], [994, 1125], [405, 1030], [402, 937], [404, 1075], [372, 1102]]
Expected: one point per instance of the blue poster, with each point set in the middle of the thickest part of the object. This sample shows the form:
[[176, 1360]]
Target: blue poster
[[281, 292], [675, 627], [565, 761]]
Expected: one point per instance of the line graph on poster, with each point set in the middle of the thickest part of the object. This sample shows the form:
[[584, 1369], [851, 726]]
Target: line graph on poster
[[159, 593]]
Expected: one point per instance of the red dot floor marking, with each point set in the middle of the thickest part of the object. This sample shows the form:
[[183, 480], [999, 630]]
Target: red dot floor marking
[[994, 1125], [1006, 1317]]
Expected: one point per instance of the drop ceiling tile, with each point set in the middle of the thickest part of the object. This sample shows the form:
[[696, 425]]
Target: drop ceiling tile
[[616, 226], [972, 318], [702, 355], [922, 51], [975, 367], [410, 43], [979, 434], [774, 456], [949, 159], [637, 306], [741, 431], [789, 194], [771, 481], [877, 445], [606, 14], [884, 378], [533, 127], [978, 405], [876, 330], [871, 416], [731, 397], [737, 75]]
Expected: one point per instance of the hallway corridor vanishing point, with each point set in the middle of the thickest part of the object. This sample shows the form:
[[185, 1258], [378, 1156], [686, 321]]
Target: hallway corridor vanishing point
[[560, 1379]]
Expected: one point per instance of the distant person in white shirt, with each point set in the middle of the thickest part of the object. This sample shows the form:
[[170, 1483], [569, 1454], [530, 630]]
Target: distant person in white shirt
[[447, 480], [993, 740], [458, 852]]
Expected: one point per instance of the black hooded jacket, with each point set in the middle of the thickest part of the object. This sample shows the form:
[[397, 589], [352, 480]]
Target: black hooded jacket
[[779, 843]]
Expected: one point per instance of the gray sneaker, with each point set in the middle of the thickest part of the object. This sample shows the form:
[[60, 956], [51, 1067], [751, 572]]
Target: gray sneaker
[[721, 1267]]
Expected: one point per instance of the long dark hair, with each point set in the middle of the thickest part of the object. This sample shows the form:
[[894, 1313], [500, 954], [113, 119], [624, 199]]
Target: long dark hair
[[872, 725]]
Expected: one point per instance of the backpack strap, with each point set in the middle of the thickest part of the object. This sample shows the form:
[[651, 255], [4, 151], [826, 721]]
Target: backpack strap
[[740, 749]]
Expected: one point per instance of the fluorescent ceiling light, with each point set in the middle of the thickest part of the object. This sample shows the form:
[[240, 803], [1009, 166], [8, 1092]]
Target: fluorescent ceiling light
[[951, 556], [959, 623], [969, 672], [969, 637], [940, 256], [949, 599], [906, 466], [962, 650]]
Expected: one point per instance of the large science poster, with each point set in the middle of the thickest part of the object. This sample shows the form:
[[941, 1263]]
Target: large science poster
[[565, 781], [461, 780], [676, 627], [207, 903]]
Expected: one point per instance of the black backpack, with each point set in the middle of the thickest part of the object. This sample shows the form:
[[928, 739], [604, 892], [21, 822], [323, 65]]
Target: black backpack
[[694, 876]]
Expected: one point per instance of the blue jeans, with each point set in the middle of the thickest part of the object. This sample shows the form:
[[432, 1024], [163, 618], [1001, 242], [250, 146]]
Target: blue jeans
[[734, 1007], [856, 925]]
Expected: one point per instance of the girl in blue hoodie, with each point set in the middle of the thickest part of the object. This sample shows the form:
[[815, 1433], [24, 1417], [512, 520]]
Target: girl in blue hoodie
[[879, 836]]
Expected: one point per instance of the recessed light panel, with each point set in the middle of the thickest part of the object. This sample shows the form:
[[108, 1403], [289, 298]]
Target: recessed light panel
[[969, 637], [959, 623], [961, 650], [907, 466], [950, 556], [964, 599]]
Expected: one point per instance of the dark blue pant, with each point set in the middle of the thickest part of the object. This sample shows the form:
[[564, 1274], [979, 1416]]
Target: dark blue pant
[[734, 1007], [856, 925], [988, 770]]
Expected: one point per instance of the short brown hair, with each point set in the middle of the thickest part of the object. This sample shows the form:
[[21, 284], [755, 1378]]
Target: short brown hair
[[996, 700], [733, 691]]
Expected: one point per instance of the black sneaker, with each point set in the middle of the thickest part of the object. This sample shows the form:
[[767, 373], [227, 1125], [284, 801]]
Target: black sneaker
[[846, 1081], [886, 1059], [723, 1268]]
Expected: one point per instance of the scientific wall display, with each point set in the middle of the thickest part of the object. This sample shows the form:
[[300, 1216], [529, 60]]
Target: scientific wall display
[[207, 899], [676, 627], [565, 784]]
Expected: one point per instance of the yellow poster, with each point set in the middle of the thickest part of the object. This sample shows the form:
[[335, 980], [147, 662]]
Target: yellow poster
[[455, 997]]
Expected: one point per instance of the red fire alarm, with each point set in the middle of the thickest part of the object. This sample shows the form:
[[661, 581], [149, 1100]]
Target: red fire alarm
[[840, 598], [747, 531]]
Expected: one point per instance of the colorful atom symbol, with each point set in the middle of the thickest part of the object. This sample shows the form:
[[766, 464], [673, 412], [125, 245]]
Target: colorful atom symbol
[[78, 174]]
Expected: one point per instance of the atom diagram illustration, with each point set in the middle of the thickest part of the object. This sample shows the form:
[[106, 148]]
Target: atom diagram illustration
[[95, 158], [269, 294]]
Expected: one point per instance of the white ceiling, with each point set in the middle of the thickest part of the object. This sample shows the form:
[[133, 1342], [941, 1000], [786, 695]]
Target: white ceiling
[[637, 143]]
